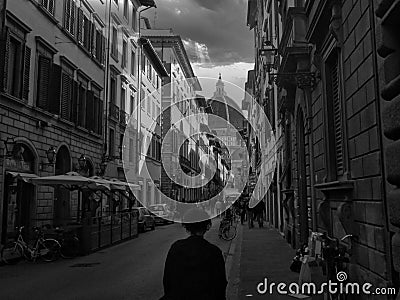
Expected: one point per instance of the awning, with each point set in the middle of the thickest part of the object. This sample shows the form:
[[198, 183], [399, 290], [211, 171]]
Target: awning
[[26, 177], [71, 180]]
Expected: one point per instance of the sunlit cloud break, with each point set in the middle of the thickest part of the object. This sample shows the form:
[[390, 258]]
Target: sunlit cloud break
[[197, 52]]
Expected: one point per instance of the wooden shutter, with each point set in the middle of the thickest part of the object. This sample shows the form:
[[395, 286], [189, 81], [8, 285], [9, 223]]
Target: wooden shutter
[[55, 89], [44, 76], [4, 60], [74, 102], [89, 110], [66, 96], [100, 117], [72, 18], [82, 106], [67, 14], [87, 28], [27, 69], [80, 26], [51, 6], [103, 49], [337, 115]]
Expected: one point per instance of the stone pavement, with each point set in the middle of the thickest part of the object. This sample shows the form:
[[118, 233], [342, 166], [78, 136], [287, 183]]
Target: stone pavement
[[259, 253]]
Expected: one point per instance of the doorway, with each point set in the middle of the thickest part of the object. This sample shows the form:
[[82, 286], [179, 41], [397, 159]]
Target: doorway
[[62, 196]]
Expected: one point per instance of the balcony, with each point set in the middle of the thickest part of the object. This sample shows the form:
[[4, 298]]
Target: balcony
[[113, 112], [293, 45], [123, 118]]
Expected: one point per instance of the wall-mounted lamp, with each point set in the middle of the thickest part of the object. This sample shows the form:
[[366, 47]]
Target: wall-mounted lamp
[[82, 162], [9, 144], [51, 155], [101, 169]]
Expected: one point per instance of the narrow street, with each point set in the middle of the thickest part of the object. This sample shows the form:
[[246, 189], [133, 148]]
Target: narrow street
[[130, 270]]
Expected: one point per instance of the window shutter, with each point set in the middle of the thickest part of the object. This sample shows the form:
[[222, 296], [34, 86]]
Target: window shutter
[[103, 49], [27, 68], [51, 6], [55, 90], [66, 96], [90, 110], [72, 19], [43, 82], [87, 28], [92, 38], [100, 117], [5, 57], [82, 106], [67, 14], [74, 104], [337, 117], [80, 25]]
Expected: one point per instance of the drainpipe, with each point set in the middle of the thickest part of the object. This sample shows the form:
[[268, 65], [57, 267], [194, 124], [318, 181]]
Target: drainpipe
[[307, 97], [107, 76]]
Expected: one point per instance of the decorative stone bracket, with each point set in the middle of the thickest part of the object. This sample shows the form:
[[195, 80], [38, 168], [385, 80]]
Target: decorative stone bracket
[[301, 79], [335, 26]]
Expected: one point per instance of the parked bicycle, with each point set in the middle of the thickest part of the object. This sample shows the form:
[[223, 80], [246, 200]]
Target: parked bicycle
[[227, 229], [46, 249], [70, 244]]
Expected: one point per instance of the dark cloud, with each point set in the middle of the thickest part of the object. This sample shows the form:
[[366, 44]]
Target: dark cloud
[[218, 24]]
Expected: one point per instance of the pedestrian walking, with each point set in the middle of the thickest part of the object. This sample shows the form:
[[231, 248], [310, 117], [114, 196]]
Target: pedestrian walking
[[195, 268], [250, 217], [242, 213]]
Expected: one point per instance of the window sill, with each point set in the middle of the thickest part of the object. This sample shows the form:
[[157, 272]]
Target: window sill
[[14, 99], [346, 185]]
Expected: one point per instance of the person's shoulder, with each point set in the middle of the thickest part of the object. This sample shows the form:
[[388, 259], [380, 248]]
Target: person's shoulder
[[213, 247]]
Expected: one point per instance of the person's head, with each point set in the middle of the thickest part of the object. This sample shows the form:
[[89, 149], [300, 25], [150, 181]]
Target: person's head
[[196, 221]]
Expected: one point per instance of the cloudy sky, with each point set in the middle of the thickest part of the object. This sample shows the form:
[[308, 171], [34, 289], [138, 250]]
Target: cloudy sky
[[214, 33]]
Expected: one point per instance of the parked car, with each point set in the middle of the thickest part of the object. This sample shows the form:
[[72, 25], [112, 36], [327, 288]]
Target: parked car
[[145, 219], [162, 213]]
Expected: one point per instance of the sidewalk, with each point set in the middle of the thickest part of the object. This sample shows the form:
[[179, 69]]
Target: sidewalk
[[260, 253]]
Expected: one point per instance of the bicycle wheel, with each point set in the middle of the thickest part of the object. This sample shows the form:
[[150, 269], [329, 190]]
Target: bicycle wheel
[[49, 250], [69, 247], [229, 233], [12, 253]]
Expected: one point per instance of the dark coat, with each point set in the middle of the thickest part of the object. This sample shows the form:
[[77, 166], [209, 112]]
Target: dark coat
[[194, 269]]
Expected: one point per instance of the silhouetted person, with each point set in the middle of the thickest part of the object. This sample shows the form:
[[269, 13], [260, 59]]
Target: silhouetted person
[[195, 268]]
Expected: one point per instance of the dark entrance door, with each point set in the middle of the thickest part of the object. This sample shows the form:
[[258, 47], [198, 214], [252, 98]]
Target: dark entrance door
[[62, 204], [302, 180], [19, 195]]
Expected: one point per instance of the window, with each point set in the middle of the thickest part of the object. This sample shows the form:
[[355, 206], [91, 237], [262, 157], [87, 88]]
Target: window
[[98, 110], [133, 17], [67, 78], [48, 5], [121, 144], [99, 47], [82, 97], [114, 43], [148, 102], [143, 63], [69, 16], [132, 102], [48, 80], [113, 88], [133, 63], [123, 97], [126, 9], [334, 112], [142, 98], [14, 66], [124, 54], [111, 143]]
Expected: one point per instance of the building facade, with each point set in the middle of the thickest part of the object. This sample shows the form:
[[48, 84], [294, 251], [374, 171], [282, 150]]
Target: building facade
[[68, 83], [330, 68]]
